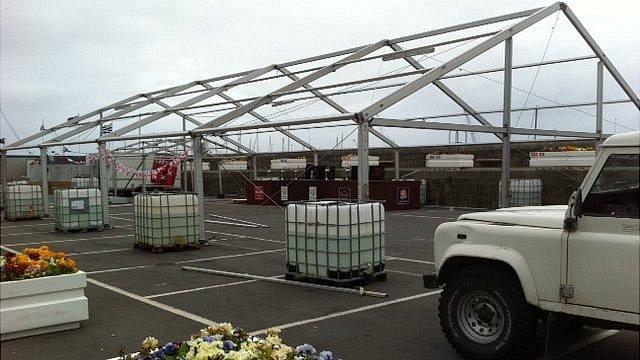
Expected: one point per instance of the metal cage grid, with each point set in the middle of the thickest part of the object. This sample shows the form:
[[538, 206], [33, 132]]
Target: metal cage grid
[[524, 192], [79, 182], [77, 209], [337, 249], [22, 202], [163, 220]]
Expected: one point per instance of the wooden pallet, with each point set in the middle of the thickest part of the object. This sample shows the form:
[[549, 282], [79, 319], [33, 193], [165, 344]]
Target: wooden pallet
[[14, 219], [162, 249], [83, 230], [350, 282]]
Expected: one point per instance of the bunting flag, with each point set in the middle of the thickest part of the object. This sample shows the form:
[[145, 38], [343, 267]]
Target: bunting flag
[[89, 160], [167, 169], [163, 172]]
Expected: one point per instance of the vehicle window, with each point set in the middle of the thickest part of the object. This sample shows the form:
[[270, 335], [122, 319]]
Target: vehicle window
[[615, 192]]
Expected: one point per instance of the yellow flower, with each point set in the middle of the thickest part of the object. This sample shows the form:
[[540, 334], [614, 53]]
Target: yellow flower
[[71, 265], [22, 259], [149, 344]]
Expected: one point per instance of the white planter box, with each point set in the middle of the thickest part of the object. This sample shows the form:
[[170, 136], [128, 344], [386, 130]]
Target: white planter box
[[233, 165], [562, 158], [450, 161], [352, 160], [288, 164], [38, 306]]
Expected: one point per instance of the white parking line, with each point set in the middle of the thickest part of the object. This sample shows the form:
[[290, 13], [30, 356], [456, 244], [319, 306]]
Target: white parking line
[[121, 218], [347, 312], [117, 269], [25, 225], [246, 237], [403, 272], [126, 268], [154, 303], [99, 251], [7, 249], [586, 342], [54, 232], [71, 240], [409, 260], [427, 217], [206, 288], [30, 233], [228, 256], [121, 214]]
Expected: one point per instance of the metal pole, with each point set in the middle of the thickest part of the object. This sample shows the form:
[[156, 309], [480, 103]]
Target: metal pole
[[361, 291], [220, 189], [315, 158], [599, 99], [196, 174], [183, 179], [144, 176], [3, 171], [535, 122], [104, 183], [506, 124], [363, 159], [114, 178], [396, 162], [254, 167], [45, 180]]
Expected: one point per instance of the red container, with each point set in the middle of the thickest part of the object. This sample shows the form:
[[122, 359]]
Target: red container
[[395, 195]]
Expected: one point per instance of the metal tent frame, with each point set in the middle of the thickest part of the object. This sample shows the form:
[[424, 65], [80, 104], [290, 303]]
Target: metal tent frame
[[366, 119]]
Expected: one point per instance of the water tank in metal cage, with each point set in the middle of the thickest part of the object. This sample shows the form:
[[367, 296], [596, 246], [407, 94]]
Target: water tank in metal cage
[[84, 182], [23, 201], [77, 209], [525, 192], [163, 220], [335, 240]]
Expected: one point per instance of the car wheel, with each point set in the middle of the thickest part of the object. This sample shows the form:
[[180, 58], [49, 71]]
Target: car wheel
[[484, 315]]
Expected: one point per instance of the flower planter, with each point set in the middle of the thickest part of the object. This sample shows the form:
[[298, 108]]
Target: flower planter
[[42, 305], [449, 161], [562, 158]]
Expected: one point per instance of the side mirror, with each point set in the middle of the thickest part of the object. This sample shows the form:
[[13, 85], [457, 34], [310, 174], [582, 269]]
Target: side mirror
[[574, 211]]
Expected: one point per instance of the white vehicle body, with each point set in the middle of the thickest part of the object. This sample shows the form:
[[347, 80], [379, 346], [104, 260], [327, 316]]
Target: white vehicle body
[[591, 270]]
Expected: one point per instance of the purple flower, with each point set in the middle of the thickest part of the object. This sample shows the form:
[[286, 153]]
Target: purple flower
[[170, 348], [305, 349], [209, 339], [228, 345], [325, 355]]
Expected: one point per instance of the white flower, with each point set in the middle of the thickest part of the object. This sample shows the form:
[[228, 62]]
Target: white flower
[[150, 343]]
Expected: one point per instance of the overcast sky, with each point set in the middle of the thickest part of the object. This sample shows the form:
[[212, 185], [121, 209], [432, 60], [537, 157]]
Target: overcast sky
[[60, 58]]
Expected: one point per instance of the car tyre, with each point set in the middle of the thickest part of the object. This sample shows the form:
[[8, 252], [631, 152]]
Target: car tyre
[[484, 315]]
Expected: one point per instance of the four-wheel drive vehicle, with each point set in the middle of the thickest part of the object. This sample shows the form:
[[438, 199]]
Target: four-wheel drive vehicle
[[503, 270]]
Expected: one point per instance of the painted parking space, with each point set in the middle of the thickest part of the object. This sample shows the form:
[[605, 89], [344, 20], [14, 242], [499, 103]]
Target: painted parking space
[[131, 286]]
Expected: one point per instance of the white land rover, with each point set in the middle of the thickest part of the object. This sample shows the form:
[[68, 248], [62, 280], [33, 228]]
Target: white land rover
[[503, 270]]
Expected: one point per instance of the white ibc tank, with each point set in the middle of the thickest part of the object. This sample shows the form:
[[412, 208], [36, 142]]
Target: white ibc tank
[[84, 182], [166, 220], [23, 202], [77, 209], [335, 240], [525, 192]]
